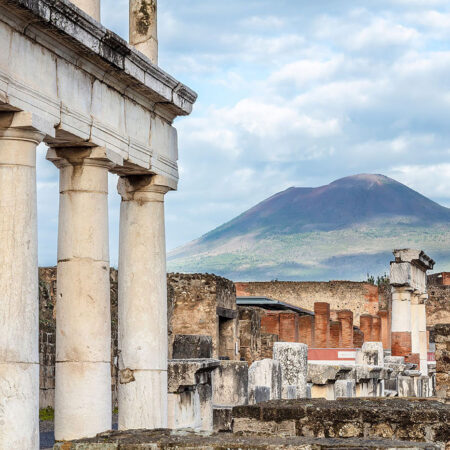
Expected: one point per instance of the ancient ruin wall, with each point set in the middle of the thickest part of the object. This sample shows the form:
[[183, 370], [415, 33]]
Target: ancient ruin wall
[[361, 298], [438, 305]]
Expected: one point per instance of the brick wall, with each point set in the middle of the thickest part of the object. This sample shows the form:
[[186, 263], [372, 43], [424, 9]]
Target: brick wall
[[361, 298]]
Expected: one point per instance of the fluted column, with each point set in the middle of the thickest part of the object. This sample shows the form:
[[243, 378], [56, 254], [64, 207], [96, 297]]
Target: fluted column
[[83, 321], [90, 7], [143, 28], [19, 307], [401, 321], [142, 303]]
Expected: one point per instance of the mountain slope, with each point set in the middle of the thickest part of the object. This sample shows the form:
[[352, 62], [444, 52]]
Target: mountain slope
[[341, 230]]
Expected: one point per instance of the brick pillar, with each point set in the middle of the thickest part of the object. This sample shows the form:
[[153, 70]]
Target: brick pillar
[[346, 319], [358, 338], [335, 334], [376, 329], [306, 330], [288, 327], [365, 324], [322, 325], [385, 329]]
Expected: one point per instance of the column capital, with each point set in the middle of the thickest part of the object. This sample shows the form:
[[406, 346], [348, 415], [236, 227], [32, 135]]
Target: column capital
[[144, 188], [78, 156], [24, 126]]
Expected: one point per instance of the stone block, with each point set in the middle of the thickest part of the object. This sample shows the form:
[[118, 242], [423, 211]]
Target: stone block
[[293, 359], [405, 386], [230, 383], [223, 419], [184, 410], [189, 346], [345, 388], [264, 373], [371, 354], [288, 392]]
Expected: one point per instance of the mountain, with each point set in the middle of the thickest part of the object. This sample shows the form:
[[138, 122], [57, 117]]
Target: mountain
[[343, 230]]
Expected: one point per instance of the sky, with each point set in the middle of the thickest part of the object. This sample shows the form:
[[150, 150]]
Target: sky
[[290, 93]]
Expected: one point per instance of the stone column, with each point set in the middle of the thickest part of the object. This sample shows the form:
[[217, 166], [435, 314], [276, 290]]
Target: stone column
[[143, 28], [90, 7], [142, 303], [365, 324], [322, 325], [401, 321], [19, 307], [306, 330], [423, 335], [415, 297], [346, 319], [83, 321]]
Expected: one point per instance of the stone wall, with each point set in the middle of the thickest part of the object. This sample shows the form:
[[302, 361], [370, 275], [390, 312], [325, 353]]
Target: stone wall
[[361, 298], [442, 339], [204, 304], [438, 305]]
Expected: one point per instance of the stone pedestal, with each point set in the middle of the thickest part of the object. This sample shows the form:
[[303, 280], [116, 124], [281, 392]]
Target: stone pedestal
[[19, 314], [264, 375], [293, 359], [142, 304], [83, 321]]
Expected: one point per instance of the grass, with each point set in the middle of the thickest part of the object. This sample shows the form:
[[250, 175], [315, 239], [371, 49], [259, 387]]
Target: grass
[[47, 413]]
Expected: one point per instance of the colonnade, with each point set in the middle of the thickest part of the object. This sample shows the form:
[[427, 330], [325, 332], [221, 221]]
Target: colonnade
[[83, 317]]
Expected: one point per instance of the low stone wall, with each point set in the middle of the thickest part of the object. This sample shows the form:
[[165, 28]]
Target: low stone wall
[[402, 419], [166, 439]]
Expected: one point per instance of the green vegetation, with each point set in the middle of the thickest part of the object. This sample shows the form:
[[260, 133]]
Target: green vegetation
[[46, 414]]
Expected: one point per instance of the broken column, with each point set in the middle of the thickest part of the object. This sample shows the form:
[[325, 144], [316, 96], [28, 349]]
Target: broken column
[[346, 319], [322, 325], [264, 381], [365, 324], [90, 7], [83, 324], [143, 28], [19, 309], [142, 298], [293, 358]]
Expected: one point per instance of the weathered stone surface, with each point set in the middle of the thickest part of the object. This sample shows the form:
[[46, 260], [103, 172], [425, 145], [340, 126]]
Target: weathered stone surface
[[344, 388], [189, 346], [223, 418], [371, 354], [165, 439], [293, 359], [408, 419], [265, 373], [442, 340], [185, 373], [230, 383], [324, 373]]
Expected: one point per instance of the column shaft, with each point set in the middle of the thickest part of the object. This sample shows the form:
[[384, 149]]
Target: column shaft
[[90, 7], [401, 322], [143, 28], [83, 321], [321, 324], [423, 338], [19, 308], [142, 305], [366, 323]]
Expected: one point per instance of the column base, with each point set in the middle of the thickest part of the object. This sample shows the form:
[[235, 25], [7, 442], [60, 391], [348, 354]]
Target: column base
[[19, 406], [83, 403], [143, 401]]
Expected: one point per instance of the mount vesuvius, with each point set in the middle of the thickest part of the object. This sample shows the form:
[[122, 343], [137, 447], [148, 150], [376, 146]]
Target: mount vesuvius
[[343, 230]]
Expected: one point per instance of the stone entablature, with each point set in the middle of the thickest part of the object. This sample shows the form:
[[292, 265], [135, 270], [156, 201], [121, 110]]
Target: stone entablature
[[85, 85]]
